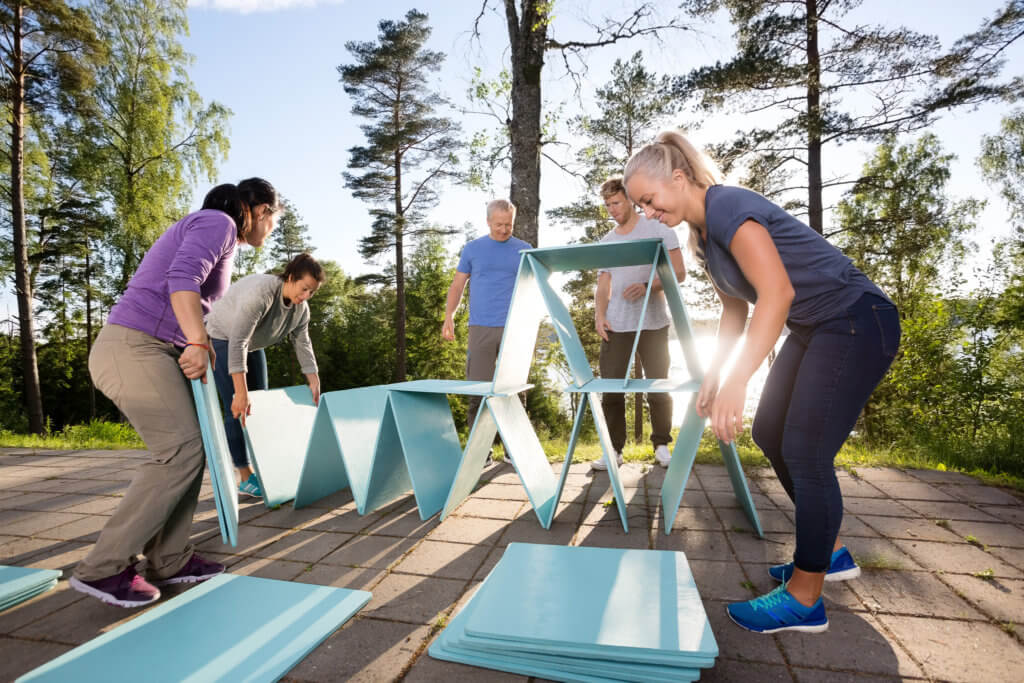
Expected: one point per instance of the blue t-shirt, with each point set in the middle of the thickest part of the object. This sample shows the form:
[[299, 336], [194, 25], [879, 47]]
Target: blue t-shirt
[[492, 267], [824, 280]]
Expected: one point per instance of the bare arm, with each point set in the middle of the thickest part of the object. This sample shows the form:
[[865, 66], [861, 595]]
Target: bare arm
[[602, 297], [454, 297], [757, 257], [189, 313], [676, 258]]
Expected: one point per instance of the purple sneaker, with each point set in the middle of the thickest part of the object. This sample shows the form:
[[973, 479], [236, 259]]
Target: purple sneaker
[[126, 589], [195, 570]]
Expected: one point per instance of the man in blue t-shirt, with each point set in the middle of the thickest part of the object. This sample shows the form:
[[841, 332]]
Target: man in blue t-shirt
[[492, 261]]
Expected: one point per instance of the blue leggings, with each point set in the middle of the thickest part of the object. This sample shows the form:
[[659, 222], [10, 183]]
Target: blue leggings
[[255, 380], [816, 389]]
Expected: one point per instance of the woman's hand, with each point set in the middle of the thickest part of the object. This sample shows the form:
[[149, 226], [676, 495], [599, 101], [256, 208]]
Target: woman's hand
[[194, 359], [314, 387], [241, 408], [727, 410], [707, 393]]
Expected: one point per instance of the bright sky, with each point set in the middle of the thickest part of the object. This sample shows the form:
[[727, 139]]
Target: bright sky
[[273, 62]]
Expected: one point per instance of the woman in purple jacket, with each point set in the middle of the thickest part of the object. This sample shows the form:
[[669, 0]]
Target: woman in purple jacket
[[153, 343]]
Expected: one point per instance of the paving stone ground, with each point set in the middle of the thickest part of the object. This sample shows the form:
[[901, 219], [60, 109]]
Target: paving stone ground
[[941, 597]]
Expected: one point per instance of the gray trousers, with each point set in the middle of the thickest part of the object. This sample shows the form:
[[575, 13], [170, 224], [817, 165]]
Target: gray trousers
[[140, 374], [653, 352], [481, 357]]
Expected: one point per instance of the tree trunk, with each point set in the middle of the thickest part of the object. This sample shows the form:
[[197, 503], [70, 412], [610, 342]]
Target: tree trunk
[[22, 284], [527, 37], [399, 268], [88, 325], [814, 205]]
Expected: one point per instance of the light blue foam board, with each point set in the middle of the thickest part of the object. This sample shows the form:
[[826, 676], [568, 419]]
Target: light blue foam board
[[18, 584], [684, 453], [624, 605], [640, 323], [525, 311], [527, 455], [277, 436], [677, 309], [389, 476], [218, 457], [608, 453], [431, 446], [451, 645], [323, 469], [562, 321], [598, 255], [230, 628], [473, 460], [739, 484], [647, 386], [455, 386]]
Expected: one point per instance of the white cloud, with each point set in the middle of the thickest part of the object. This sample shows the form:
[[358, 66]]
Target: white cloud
[[247, 6]]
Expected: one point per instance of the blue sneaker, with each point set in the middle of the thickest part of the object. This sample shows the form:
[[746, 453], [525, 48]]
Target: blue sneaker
[[842, 568], [779, 611], [251, 487]]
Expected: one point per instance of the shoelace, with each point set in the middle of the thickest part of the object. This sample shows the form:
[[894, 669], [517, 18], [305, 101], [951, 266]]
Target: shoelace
[[773, 599]]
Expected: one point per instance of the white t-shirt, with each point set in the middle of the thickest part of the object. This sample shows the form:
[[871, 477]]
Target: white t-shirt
[[622, 315]]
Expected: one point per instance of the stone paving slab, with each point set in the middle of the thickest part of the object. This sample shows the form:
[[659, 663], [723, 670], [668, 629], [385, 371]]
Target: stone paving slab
[[917, 596]]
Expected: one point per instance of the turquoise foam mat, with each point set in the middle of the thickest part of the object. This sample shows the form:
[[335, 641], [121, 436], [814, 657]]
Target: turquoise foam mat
[[230, 628], [277, 435], [218, 457], [18, 584], [638, 606]]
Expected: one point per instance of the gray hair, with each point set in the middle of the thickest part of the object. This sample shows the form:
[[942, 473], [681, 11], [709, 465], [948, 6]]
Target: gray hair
[[500, 205]]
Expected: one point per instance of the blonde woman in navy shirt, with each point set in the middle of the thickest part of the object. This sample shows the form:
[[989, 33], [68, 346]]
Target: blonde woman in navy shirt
[[844, 334]]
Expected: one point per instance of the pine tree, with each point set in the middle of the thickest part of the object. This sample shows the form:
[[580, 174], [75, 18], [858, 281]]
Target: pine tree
[[410, 148]]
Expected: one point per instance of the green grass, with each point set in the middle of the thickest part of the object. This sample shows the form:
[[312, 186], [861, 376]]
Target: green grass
[[95, 435], [986, 575], [871, 561]]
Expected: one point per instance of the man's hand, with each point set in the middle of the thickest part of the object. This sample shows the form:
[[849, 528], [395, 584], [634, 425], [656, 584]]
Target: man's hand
[[602, 326], [634, 291], [314, 387], [448, 330]]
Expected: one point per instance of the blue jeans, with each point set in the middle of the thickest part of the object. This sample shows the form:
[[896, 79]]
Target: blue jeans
[[255, 380], [816, 389]]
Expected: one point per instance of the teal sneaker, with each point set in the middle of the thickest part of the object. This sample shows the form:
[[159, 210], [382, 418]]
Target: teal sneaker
[[251, 487], [779, 611], [842, 568]]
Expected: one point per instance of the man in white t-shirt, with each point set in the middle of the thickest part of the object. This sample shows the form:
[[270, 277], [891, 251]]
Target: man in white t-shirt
[[617, 307]]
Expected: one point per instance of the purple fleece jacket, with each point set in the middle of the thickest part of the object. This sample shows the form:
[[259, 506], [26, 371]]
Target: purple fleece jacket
[[196, 254]]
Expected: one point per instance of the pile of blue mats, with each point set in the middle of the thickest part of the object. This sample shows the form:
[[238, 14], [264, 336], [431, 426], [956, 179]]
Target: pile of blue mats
[[584, 614], [230, 628], [18, 584]]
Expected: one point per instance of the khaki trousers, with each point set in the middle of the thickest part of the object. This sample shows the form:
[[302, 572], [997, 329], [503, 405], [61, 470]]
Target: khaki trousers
[[140, 374], [481, 357]]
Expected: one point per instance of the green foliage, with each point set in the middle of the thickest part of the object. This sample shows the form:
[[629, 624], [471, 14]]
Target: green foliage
[[96, 434]]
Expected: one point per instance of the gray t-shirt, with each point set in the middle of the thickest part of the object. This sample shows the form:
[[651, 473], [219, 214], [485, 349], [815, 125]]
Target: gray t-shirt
[[824, 280], [252, 315], [622, 315]]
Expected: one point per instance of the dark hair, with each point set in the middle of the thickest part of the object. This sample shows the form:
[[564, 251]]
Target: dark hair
[[237, 201], [301, 266]]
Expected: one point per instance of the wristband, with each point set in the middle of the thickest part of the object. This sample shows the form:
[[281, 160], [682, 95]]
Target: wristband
[[202, 346]]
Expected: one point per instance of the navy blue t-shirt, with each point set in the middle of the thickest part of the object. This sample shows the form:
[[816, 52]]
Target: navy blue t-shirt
[[824, 280], [492, 267]]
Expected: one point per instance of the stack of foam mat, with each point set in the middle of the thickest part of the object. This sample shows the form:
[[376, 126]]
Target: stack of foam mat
[[584, 614], [230, 628], [18, 584]]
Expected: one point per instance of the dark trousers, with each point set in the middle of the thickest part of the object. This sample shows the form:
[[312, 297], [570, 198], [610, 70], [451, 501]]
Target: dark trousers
[[815, 391], [481, 357], [255, 380], [653, 352]]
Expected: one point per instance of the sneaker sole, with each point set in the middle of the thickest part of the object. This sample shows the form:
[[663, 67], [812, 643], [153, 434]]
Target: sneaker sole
[[83, 587], [185, 579], [817, 628]]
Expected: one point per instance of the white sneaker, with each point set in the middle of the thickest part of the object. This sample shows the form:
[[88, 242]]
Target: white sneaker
[[600, 465], [663, 455]]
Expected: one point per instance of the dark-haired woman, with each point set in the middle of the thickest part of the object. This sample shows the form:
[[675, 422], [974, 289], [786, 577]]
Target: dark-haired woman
[[153, 343], [256, 312], [844, 334]]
